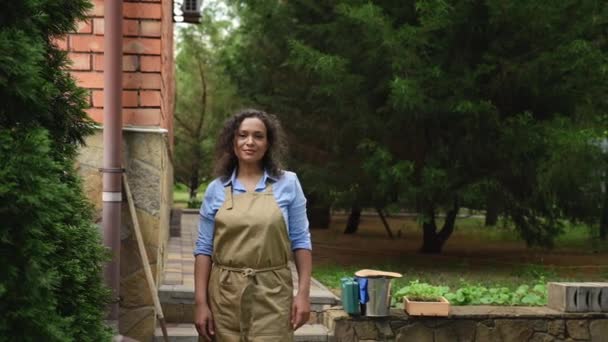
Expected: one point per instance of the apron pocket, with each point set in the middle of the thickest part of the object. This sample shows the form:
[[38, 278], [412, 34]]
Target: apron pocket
[[272, 310]]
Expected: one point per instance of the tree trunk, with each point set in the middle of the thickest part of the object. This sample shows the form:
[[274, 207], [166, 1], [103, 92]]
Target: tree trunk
[[492, 207], [433, 241], [604, 218], [193, 185], [353, 220], [385, 223]]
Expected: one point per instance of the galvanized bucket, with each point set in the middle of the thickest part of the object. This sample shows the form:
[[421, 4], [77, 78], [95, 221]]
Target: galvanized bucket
[[379, 292]]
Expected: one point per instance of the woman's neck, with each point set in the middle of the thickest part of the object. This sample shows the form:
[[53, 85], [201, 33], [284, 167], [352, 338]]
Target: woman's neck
[[249, 170]]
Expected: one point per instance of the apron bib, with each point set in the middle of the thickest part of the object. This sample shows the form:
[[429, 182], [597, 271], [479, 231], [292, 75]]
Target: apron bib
[[250, 286]]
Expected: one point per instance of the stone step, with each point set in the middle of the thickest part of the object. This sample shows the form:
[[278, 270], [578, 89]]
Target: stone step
[[187, 333], [178, 302]]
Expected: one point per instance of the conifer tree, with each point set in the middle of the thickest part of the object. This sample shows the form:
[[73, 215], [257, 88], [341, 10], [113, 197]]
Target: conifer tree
[[51, 254]]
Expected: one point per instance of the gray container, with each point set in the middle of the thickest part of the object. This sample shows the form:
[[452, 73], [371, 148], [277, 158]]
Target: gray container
[[379, 292]]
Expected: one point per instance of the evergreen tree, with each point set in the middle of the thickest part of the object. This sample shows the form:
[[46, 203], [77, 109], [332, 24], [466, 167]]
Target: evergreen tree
[[418, 103], [50, 250]]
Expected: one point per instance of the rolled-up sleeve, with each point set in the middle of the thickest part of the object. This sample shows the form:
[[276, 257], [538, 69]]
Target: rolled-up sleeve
[[299, 233], [212, 200]]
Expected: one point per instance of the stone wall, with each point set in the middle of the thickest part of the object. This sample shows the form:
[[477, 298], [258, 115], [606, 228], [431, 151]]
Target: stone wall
[[471, 323], [150, 175]]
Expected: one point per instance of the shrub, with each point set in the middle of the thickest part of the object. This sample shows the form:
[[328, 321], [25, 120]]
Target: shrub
[[50, 250]]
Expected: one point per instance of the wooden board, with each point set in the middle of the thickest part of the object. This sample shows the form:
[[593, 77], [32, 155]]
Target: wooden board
[[376, 273]]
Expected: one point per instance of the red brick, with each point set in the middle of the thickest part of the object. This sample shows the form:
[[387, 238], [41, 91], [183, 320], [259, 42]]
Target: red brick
[[150, 28], [129, 98], [88, 79], [150, 63], [98, 26], [138, 117], [97, 10], [149, 98], [61, 43], [129, 62], [142, 117], [86, 43], [136, 80], [148, 46], [84, 26], [80, 61], [142, 10], [96, 114], [129, 27]]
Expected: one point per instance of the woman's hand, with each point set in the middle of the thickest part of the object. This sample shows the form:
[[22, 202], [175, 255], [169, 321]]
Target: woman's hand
[[300, 311], [203, 320]]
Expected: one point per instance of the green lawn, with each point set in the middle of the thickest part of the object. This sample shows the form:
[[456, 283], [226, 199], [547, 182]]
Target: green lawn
[[181, 195]]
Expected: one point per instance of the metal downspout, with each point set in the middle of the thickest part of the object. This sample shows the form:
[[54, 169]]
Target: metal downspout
[[112, 142]]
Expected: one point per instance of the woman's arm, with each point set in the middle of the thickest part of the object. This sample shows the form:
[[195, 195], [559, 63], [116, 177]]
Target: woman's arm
[[203, 319], [301, 303]]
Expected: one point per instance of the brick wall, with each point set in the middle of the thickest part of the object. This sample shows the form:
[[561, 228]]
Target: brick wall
[[147, 61]]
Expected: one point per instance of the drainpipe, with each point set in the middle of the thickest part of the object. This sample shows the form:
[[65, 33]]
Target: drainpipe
[[112, 143]]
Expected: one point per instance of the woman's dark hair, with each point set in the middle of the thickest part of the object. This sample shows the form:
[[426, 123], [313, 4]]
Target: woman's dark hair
[[225, 159]]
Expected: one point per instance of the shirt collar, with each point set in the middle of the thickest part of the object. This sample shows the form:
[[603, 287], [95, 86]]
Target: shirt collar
[[260, 186]]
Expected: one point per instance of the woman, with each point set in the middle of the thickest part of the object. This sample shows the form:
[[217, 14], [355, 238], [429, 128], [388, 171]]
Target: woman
[[253, 216]]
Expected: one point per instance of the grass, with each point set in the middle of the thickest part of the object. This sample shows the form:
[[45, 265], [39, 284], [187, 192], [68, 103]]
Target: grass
[[181, 194]]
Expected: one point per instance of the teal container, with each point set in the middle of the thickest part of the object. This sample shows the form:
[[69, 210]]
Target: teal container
[[350, 296]]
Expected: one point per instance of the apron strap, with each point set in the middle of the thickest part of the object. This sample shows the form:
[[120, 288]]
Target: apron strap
[[250, 272]]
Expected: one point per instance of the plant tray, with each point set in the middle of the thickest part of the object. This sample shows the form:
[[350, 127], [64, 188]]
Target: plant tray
[[441, 308]]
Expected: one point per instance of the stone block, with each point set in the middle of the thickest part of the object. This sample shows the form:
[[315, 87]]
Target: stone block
[[384, 329], [542, 337], [484, 333], [578, 329], [578, 297], [415, 332], [458, 330], [134, 290], [92, 186], [514, 330], [130, 259], [366, 330], [599, 330], [557, 328], [331, 316], [344, 331], [137, 323], [174, 313], [144, 181], [149, 226], [146, 147]]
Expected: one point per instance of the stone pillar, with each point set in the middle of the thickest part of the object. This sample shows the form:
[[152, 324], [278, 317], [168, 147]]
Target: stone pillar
[[148, 101]]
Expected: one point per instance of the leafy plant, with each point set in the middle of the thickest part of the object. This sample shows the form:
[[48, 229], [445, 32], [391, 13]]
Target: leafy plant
[[421, 292], [469, 294]]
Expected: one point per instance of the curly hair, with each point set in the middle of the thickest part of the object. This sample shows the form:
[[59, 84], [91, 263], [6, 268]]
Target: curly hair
[[225, 159]]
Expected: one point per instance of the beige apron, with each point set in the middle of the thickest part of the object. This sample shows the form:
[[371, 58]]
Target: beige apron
[[250, 286]]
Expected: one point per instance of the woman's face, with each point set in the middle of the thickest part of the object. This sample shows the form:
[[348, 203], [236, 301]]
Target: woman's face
[[251, 141]]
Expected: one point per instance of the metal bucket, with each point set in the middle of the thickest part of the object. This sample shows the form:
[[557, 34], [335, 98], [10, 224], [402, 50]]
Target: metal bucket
[[379, 292]]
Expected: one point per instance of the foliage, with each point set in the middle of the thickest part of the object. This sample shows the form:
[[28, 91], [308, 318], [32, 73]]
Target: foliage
[[468, 294], [421, 292], [205, 97], [451, 101], [52, 255], [50, 250]]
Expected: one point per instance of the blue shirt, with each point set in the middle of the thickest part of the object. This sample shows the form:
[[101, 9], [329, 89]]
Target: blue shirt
[[287, 192]]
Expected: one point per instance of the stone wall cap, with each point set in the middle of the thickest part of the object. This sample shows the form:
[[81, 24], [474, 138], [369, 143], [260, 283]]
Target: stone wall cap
[[477, 312]]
